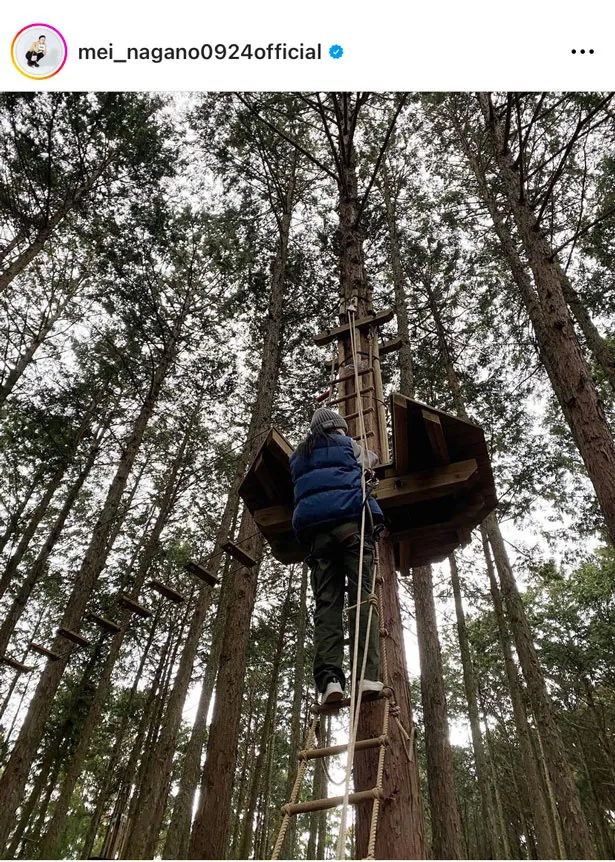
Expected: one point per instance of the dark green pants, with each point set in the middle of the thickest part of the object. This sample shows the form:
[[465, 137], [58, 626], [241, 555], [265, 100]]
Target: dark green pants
[[334, 561]]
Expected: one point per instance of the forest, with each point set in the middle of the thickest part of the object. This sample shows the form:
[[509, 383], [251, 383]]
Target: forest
[[166, 261]]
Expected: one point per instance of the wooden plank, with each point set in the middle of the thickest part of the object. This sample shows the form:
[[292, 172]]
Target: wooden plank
[[347, 378], [274, 519], [41, 650], [332, 750], [239, 554], [332, 802], [435, 435], [390, 493], [390, 346], [362, 323], [201, 572], [104, 623], [352, 416], [426, 485], [459, 520], [75, 637], [16, 665], [359, 437], [134, 607], [167, 592], [343, 398]]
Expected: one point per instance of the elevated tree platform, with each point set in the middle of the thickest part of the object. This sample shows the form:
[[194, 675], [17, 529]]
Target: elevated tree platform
[[42, 650], [199, 571], [75, 637], [105, 624], [16, 665], [166, 591], [438, 488]]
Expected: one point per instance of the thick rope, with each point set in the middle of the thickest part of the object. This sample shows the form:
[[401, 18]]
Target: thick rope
[[355, 701], [296, 787]]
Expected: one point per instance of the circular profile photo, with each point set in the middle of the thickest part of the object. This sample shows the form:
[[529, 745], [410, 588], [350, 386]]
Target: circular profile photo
[[39, 51]]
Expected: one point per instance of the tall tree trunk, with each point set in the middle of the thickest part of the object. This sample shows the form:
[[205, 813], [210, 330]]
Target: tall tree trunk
[[579, 840], [42, 506], [445, 825], [540, 814], [487, 846], [46, 325], [36, 245], [572, 381], [401, 828], [267, 729], [288, 847], [208, 839], [36, 570], [539, 810], [178, 833], [445, 822], [49, 847], [16, 772]]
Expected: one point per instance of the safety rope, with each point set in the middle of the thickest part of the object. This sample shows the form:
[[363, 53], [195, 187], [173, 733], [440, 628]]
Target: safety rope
[[391, 709], [355, 701]]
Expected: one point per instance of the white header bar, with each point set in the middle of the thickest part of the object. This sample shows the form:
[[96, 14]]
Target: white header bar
[[321, 45]]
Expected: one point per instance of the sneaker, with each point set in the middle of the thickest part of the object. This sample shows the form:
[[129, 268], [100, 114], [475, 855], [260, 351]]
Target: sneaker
[[372, 685], [332, 692]]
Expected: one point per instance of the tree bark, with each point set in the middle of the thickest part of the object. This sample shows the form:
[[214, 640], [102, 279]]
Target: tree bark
[[16, 772], [208, 839], [178, 833], [579, 842], [571, 378], [445, 825], [488, 831], [266, 731], [538, 803], [401, 829]]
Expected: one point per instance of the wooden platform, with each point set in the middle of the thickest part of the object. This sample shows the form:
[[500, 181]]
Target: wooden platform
[[438, 488], [199, 571], [42, 650], [75, 637], [105, 624], [166, 591]]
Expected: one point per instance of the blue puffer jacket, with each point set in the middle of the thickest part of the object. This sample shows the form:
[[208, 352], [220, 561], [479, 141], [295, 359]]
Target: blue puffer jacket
[[327, 486]]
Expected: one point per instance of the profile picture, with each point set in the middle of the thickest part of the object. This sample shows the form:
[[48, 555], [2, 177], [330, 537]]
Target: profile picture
[[39, 51]]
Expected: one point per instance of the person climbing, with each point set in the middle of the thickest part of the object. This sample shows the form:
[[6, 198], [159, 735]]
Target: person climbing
[[326, 472]]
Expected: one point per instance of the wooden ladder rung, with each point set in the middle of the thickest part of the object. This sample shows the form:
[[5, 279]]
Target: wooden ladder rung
[[332, 750], [356, 415], [335, 705], [167, 592], [104, 623], [239, 554], [360, 436], [201, 572], [342, 398], [16, 665], [75, 637], [332, 802], [348, 377], [41, 650], [134, 607]]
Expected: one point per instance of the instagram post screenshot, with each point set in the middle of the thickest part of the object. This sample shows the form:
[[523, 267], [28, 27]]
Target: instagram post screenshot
[[307, 420]]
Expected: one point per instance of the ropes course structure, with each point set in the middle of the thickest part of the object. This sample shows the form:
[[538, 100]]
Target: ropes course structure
[[436, 488], [374, 600]]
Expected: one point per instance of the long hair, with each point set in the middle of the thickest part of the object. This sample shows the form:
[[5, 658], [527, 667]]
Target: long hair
[[306, 447]]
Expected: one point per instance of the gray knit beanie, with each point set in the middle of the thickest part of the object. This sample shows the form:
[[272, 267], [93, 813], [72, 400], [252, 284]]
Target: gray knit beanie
[[327, 420]]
